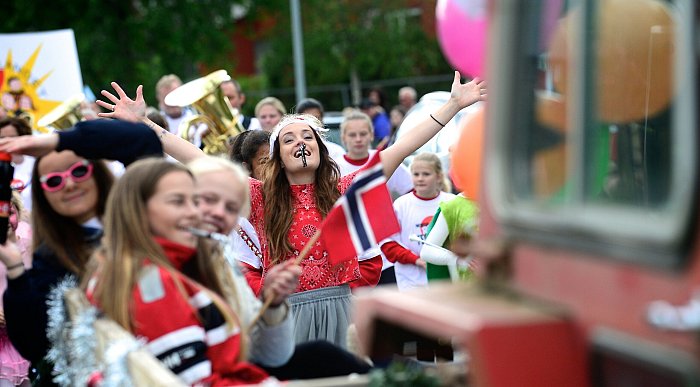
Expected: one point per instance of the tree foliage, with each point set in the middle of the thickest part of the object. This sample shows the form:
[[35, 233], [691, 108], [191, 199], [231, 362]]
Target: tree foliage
[[133, 41], [137, 41], [377, 40]]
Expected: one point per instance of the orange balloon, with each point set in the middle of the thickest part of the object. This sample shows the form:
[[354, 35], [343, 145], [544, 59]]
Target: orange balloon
[[466, 156], [634, 52]]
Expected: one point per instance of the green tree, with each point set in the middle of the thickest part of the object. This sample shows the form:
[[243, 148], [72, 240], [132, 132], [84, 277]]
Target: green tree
[[344, 39], [133, 41], [137, 41]]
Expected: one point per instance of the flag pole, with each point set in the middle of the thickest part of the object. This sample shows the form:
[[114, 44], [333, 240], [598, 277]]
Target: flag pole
[[269, 296], [307, 247]]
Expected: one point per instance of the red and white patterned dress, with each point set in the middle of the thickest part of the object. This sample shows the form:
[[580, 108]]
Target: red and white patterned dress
[[316, 271]]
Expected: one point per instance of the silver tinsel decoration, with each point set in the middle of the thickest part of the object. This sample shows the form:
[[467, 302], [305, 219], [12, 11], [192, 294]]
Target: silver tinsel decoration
[[73, 345], [116, 373], [72, 349]]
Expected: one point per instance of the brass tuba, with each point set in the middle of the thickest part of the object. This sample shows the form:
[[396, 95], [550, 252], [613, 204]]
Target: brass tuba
[[63, 116], [213, 109]]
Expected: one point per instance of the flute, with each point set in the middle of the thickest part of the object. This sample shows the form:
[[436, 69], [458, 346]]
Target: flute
[[302, 149], [221, 238]]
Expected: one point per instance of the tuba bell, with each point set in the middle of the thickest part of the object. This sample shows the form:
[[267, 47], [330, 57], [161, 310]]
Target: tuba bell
[[213, 109], [63, 116]]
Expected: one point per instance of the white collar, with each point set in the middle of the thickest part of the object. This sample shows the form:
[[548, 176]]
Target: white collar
[[93, 223]]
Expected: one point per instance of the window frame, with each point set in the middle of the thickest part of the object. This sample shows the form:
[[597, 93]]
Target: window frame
[[624, 233]]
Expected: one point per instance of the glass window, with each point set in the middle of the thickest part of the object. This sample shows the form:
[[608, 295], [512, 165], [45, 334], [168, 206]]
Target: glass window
[[601, 139]]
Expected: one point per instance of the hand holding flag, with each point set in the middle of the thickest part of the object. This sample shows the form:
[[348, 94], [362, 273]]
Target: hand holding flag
[[360, 218]]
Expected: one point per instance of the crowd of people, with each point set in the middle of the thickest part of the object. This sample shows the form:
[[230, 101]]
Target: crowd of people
[[268, 303]]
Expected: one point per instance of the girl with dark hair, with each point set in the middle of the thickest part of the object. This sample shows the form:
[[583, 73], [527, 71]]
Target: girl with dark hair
[[236, 145], [378, 97], [69, 198], [299, 188], [252, 152]]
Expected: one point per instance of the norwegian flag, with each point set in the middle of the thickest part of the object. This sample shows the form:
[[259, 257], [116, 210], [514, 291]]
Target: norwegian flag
[[360, 218]]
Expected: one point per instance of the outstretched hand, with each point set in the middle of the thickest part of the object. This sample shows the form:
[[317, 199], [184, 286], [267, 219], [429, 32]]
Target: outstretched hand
[[465, 94], [37, 145], [123, 107]]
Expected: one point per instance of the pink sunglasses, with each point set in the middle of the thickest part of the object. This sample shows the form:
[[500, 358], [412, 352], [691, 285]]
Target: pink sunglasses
[[78, 172]]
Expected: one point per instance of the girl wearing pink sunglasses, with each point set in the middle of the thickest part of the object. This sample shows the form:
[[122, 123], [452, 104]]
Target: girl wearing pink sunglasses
[[78, 173], [68, 199]]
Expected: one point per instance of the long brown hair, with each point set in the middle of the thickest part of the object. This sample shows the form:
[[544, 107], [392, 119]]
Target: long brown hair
[[61, 234], [129, 241], [278, 197]]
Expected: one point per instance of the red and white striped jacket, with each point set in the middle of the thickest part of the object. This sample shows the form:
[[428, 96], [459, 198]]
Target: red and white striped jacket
[[186, 331]]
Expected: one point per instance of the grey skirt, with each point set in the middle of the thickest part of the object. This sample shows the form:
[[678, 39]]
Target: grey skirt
[[322, 314]]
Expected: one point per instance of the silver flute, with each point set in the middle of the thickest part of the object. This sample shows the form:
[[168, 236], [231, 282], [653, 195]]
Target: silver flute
[[221, 238], [224, 241]]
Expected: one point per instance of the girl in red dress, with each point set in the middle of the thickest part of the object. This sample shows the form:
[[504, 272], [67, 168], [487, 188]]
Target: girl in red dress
[[301, 185]]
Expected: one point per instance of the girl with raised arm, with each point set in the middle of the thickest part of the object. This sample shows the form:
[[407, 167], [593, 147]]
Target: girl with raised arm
[[301, 185]]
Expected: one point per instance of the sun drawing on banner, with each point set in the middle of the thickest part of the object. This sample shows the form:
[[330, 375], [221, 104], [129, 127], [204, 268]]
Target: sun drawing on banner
[[19, 90]]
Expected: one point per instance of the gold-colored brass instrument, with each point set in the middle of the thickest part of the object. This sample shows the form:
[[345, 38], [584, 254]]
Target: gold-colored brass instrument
[[63, 116], [213, 109]]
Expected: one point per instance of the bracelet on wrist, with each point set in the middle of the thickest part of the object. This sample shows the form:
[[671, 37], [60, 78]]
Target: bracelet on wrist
[[436, 120]]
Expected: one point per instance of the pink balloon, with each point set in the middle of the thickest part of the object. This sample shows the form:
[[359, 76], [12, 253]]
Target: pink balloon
[[462, 27], [461, 30]]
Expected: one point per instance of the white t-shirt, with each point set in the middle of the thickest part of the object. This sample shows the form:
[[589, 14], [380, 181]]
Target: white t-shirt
[[174, 123], [414, 215]]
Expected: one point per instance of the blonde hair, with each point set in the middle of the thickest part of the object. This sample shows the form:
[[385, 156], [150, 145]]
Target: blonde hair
[[355, 115], [408, 91], [276, 103], [434, 161], [165, 81], [128, 242], [16, 200], [209, 164]]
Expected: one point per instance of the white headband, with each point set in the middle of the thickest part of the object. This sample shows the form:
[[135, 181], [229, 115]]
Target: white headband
[[293, 119]]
